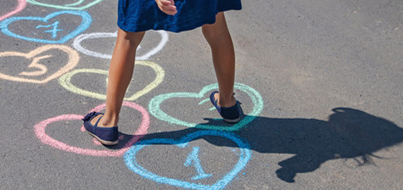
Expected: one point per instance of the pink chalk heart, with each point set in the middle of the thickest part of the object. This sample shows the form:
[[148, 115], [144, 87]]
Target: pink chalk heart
[[21, 5], [40, 132]]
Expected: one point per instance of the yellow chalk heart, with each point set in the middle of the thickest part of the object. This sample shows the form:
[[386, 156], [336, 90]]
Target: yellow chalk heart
[[72, 61], [65, 81]]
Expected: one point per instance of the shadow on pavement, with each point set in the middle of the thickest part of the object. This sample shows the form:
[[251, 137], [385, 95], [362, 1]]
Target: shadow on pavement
[[348, 133]]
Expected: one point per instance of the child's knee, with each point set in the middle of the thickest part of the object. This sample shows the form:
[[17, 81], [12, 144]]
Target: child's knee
[[216, 31], [133, 38]]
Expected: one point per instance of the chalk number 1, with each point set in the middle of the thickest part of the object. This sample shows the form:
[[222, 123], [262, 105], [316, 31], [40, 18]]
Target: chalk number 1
[[193, 159]]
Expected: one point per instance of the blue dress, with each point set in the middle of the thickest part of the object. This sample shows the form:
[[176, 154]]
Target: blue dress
[[143, 15]]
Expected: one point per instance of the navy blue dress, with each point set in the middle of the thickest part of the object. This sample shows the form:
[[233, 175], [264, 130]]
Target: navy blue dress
[[143, 15]]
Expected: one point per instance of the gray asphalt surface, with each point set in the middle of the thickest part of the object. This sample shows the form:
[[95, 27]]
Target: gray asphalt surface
[[329, 75]]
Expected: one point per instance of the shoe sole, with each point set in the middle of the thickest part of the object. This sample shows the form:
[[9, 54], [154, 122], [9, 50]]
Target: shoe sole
[[232, 121], [229, 121], [104, 142]]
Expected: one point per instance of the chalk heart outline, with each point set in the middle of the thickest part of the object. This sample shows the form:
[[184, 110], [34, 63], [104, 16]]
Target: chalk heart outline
[[138, 134], [82, 27], [21, 5], [73, 59], [67, 6], [65, 81], [82, 37], [257, 101], [244, 157]]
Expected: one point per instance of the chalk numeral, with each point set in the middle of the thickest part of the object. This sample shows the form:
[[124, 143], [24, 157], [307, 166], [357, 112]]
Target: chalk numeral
[[194, 159], [54, 30]]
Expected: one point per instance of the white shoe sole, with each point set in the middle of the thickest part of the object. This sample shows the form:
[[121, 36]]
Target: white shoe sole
[[104, 142]]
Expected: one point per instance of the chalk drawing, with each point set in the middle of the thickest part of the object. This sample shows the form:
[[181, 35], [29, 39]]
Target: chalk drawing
[[42, 68], [21, 5], [257, 101], [65, 81], [46, 139], [244, 157], [85, 23], [79, 5], [54, 29], [72, 61], [82, 37], [193, 158], [75, 4]]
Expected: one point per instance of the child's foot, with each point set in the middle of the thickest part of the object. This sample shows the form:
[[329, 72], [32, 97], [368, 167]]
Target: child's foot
[[105, 135], [231, 114]]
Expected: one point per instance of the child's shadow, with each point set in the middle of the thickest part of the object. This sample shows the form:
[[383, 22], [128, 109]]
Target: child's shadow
[[348, 133]]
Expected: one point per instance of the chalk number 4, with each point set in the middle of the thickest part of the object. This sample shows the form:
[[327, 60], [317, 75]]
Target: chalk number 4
[[194, 159], [53, 30]]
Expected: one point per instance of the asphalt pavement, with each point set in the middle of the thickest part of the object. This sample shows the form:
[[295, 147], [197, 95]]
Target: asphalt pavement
[[320, 83]]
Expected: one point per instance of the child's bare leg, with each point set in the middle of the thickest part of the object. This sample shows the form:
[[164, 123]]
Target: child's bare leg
[[120, 74], [219, 38]]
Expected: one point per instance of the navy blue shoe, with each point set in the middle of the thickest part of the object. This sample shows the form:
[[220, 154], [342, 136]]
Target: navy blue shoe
[[230, 115], [105, 135]]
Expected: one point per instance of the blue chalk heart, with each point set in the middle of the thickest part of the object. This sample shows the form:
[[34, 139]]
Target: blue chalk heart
[[244, 157], [86, 21]]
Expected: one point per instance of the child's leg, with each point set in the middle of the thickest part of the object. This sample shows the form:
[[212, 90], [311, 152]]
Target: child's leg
[[120, 74], [219, 38]]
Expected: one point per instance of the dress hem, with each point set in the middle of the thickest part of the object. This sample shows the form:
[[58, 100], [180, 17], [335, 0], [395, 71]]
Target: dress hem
[[144, 28]]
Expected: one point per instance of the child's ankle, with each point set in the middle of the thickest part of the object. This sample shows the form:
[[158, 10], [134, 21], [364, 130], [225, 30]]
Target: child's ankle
[[105, 122], [226, 102]]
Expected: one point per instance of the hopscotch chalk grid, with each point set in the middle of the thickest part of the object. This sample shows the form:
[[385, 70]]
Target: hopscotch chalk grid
[[21, 5], [40, 132], [65, 81], [53, 27], [96, 36], [257, 102], [244, 157], [40, 69], [79, 5]]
